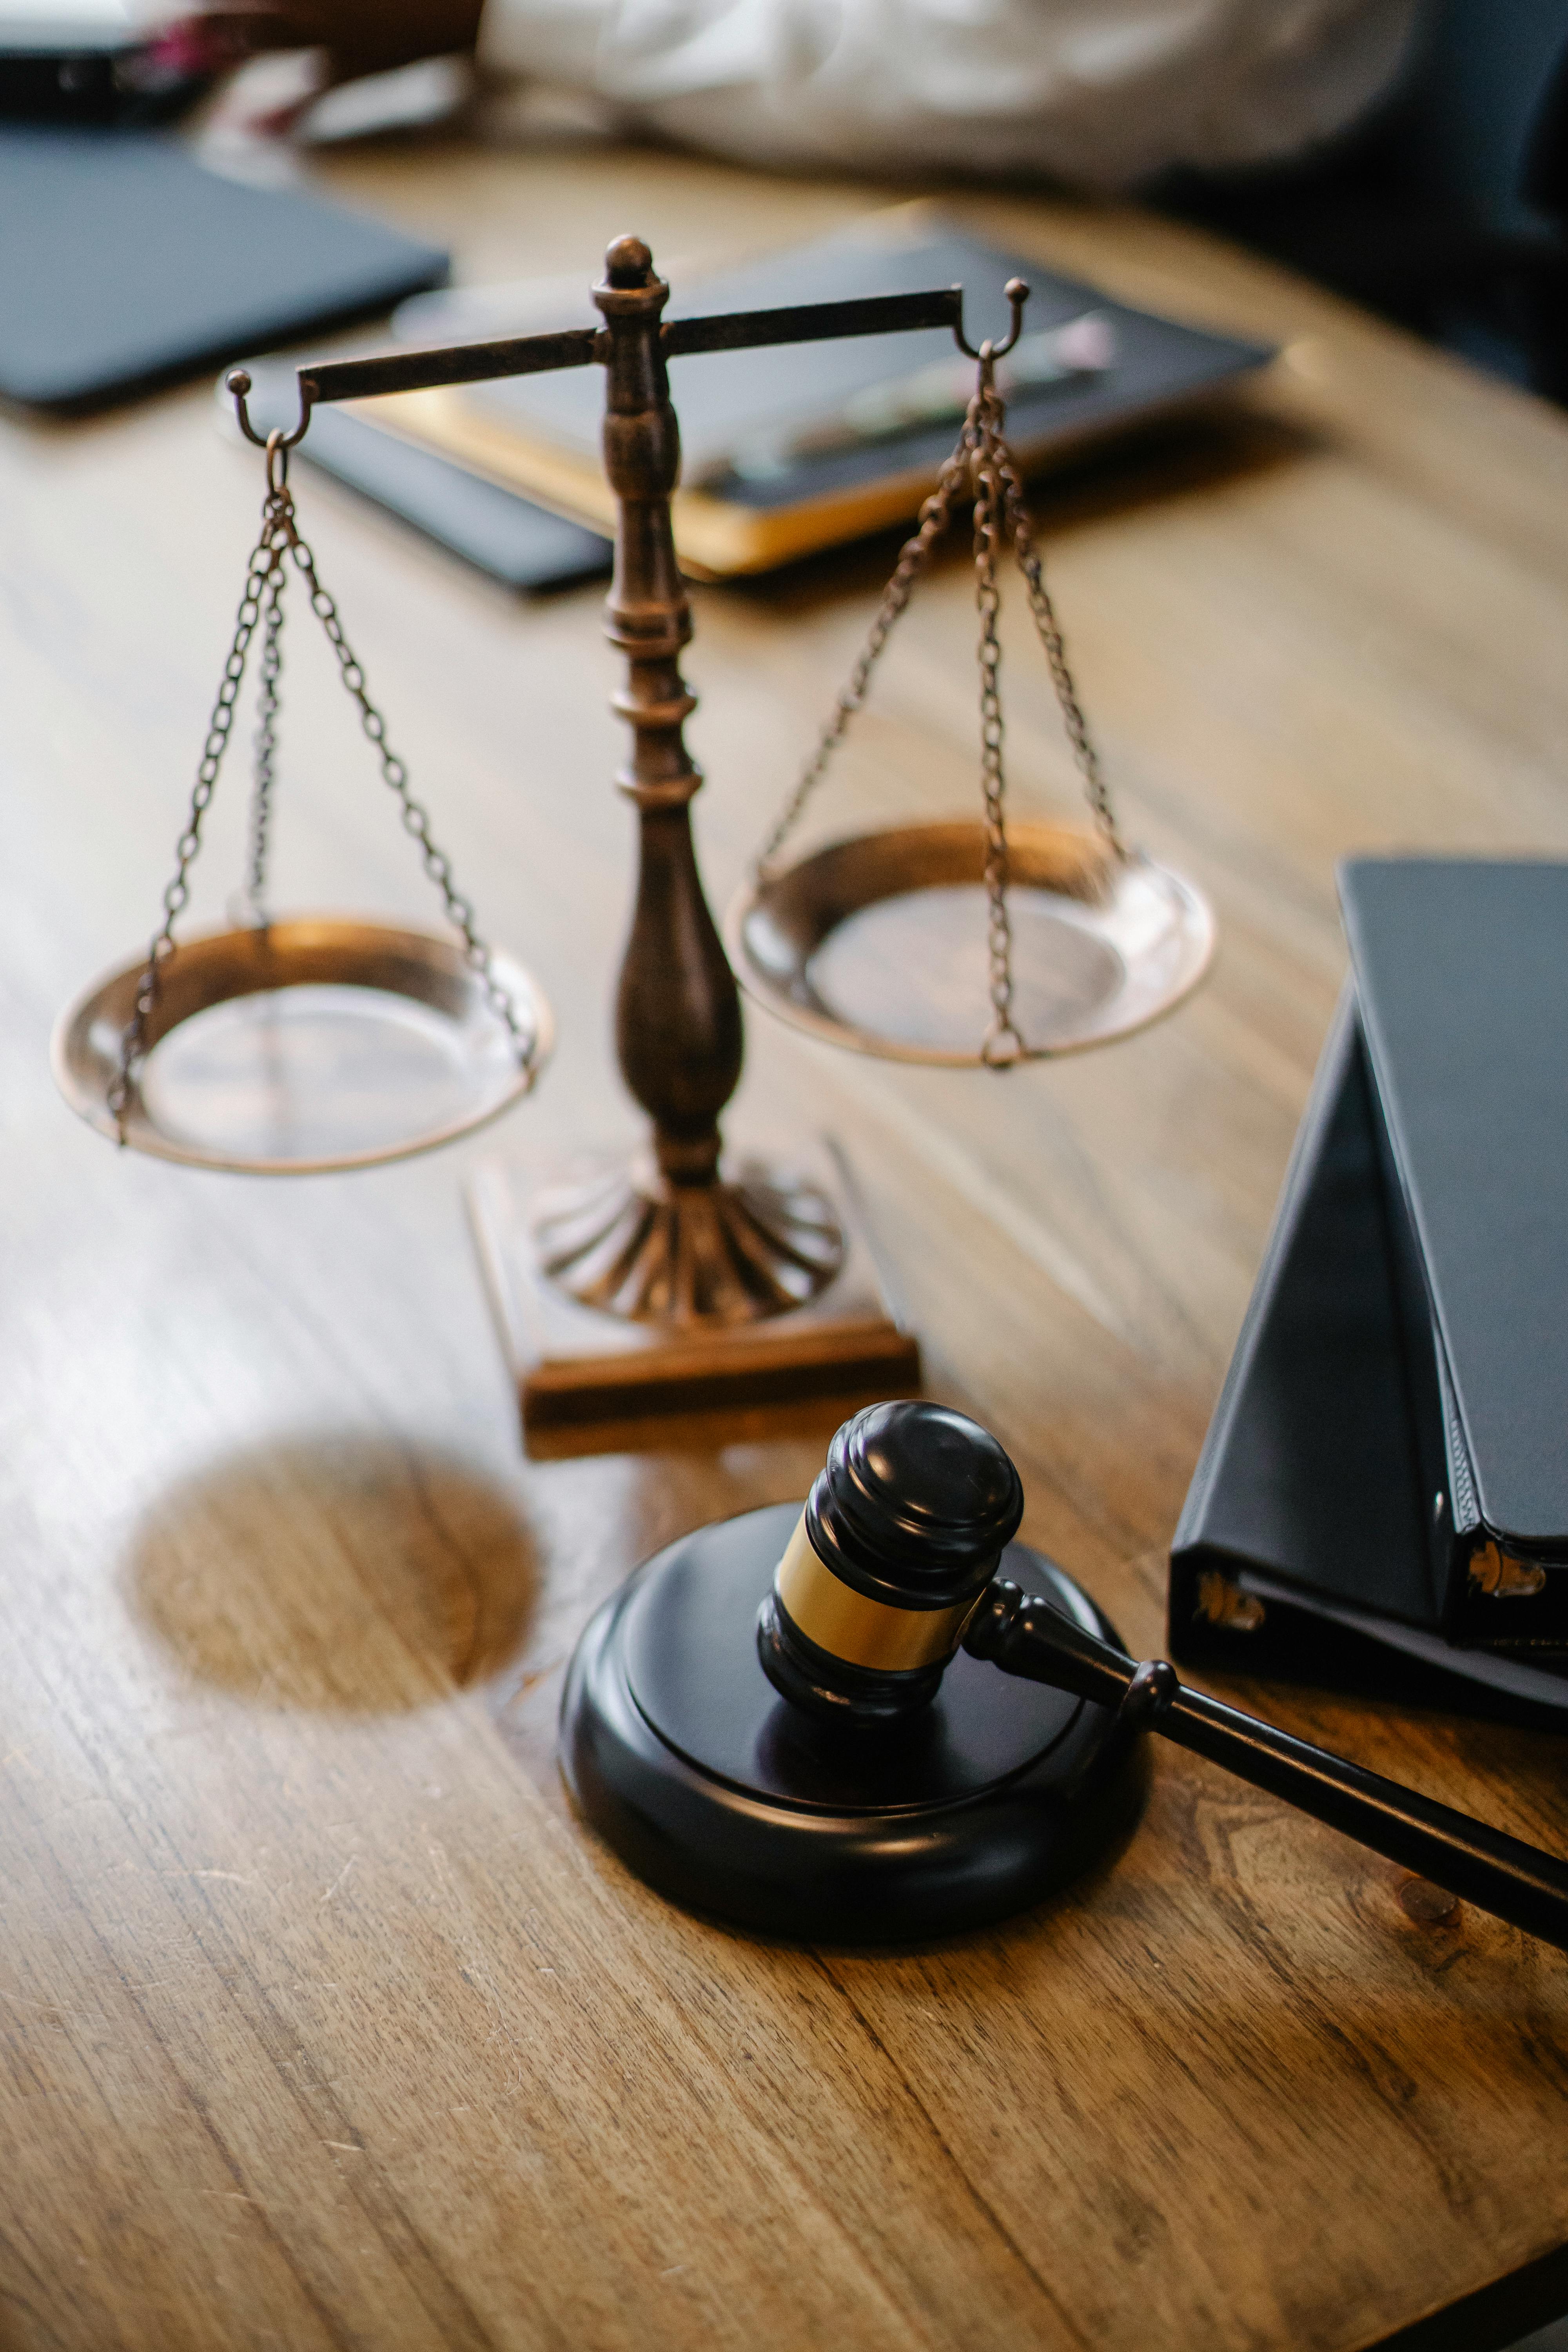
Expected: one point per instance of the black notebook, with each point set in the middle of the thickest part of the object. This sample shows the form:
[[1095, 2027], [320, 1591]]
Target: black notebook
[[1389, 1456], [124, 264], [788, 449]]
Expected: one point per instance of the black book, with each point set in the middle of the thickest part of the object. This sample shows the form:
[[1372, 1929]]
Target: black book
[[787, 450], [1387, 1463]]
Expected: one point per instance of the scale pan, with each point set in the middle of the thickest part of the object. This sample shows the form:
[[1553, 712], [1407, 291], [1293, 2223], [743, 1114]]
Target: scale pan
[[881, 942], [316, 1043]]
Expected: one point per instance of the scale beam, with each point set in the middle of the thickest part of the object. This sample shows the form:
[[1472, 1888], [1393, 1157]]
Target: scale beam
[[815, 322], [575, 347], [384, 372]]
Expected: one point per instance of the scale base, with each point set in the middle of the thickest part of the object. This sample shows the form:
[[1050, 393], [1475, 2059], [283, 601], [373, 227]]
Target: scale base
[[592, 1381], [629, 1242], [730, 1801]]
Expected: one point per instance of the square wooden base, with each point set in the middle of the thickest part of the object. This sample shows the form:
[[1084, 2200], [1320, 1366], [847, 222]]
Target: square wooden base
[[591, 1382]]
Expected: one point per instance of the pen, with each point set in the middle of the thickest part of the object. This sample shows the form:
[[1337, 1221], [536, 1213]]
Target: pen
[[937, 394]]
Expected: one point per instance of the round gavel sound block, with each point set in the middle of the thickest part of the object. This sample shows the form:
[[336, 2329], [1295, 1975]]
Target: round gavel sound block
[[880, 1717], [883, 1789]]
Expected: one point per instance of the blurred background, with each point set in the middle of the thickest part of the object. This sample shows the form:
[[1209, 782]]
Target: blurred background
[[1445, 207], [1442, 205]]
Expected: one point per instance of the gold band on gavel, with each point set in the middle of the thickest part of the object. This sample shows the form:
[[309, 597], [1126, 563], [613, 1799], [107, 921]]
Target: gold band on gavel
[[850, 1625]]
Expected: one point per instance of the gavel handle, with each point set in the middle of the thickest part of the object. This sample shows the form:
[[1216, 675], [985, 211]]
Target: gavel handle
[[1024, 1636]]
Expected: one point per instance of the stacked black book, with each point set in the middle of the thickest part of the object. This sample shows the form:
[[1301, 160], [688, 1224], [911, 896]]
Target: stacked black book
[[1382, 1495]]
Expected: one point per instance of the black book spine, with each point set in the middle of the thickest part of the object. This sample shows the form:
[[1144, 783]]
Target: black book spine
[[1211, 1618], [1446, 1489], [1489, 1595]]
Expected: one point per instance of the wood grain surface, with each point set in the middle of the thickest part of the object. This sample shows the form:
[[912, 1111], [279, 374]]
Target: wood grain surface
[[321, 2021]]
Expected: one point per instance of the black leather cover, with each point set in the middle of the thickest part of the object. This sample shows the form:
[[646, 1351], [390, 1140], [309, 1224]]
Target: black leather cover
[[124, 264]]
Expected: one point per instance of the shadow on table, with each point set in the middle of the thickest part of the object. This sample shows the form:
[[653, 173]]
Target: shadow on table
[[349, 1574]]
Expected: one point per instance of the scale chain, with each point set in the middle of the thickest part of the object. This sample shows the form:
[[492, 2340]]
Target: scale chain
[[263, 591], [266, 738], [1001, 1044], [913, 558], [178, 890], [1049, 629], [982, 459], [415, 817]]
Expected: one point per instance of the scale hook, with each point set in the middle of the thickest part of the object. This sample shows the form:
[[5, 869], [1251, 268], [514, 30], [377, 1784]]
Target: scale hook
[[1017, 294], [237, 381]]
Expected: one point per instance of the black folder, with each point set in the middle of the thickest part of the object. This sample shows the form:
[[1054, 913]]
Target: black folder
[[125, 263], [1388, 1461]]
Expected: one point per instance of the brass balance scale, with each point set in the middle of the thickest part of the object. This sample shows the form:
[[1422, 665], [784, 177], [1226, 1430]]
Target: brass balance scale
[[301, 1044]]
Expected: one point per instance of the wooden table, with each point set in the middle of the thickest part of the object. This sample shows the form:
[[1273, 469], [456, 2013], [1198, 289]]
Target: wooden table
[[325, 2022]]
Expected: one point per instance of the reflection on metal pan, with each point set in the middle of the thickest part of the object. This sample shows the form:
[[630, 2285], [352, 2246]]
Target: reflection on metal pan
[[879, 942], [306, 1045]]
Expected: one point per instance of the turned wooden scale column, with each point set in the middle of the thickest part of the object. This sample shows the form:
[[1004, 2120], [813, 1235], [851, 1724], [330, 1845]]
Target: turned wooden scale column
[[672, 1240]]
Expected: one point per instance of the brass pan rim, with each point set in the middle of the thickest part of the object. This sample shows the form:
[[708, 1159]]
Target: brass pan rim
[[805, 902], [299, 949]]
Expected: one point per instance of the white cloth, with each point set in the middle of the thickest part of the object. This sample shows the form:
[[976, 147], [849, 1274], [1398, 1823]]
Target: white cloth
[[1097, 93]]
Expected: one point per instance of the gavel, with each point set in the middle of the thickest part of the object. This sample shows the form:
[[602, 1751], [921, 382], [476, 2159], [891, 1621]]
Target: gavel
[[795, 1719]]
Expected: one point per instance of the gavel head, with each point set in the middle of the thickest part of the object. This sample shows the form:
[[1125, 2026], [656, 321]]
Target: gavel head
[[900, 1538]]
